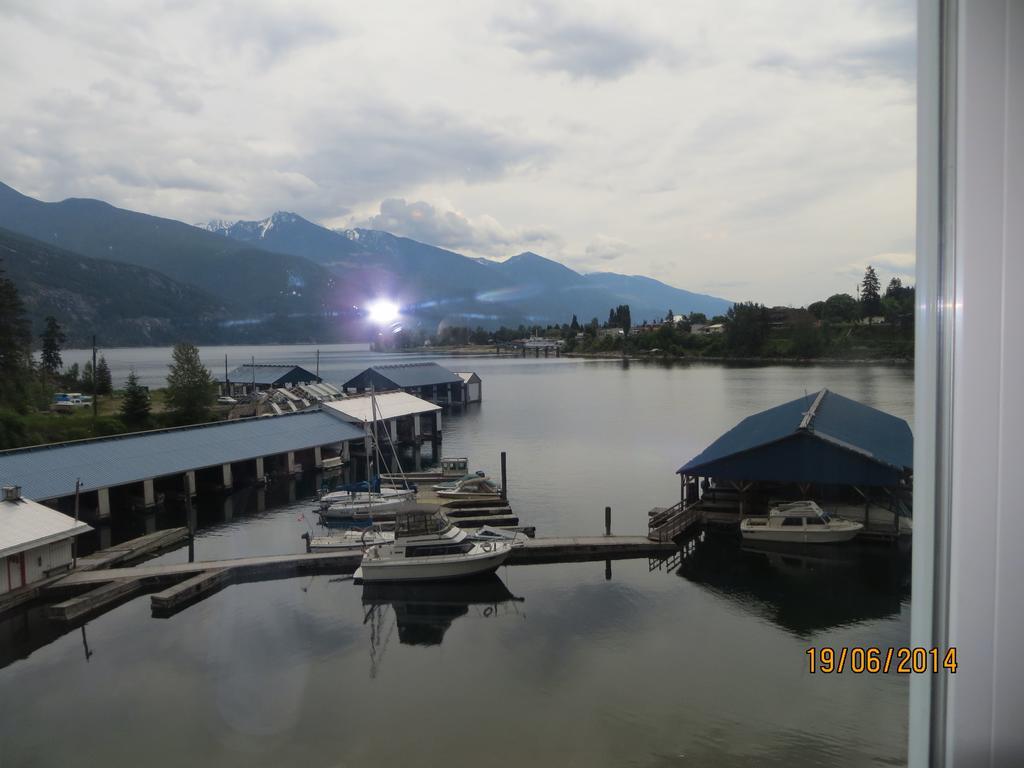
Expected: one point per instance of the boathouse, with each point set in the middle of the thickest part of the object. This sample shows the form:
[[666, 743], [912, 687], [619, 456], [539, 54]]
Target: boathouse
[[849, 457], [135, 470], [35, 541], [248, 379], [471, 386], [428, 381], [410, 421]]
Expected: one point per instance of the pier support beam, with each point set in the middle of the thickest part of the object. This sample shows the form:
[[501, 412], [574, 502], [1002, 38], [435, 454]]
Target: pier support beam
[[318, 457], [103, 505], [437, 424], [227, 478], [416, 431], [393, 430], [260, 470], [290, 458], [148, 494], [190, 483]]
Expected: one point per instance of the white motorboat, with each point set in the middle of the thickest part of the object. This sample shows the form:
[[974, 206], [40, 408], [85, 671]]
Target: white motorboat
[[449, 484], [428, 547], [472, 488], [799, 522]]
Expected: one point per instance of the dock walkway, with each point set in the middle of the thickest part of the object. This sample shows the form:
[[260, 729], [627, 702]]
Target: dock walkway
[[182, 584]]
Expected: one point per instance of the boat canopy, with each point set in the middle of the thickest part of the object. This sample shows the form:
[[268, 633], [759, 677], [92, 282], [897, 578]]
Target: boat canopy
[[797, 509], [420, 522]]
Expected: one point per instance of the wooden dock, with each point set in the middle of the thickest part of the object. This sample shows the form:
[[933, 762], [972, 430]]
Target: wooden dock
[[183, 584], [141, 548]]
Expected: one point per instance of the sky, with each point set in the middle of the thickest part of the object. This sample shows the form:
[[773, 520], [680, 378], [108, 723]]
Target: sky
[[753, 150]]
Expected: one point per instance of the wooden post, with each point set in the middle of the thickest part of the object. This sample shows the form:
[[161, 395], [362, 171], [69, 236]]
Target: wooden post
[[607, 570], [190, 522], [94, 378], [504, 477], [74, 539], [607, 521]]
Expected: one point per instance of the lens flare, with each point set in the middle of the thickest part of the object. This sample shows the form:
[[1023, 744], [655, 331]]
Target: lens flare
[[382, 311]]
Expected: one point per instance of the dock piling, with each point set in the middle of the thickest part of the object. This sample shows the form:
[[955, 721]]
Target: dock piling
[[504, 477], [607, 521]]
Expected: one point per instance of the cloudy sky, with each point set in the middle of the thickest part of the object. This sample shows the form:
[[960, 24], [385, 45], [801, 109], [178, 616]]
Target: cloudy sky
[[755, 150]]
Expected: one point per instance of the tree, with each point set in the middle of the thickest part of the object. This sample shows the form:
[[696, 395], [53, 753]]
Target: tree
[[746, 328], [189, 384], [670, 318], [15, 341], [699, 318], [104, 382], [575, 324], [88, 378], [870, 293], [619, 318], [840, 308], [71, 379], [135, 405], [52, 337]]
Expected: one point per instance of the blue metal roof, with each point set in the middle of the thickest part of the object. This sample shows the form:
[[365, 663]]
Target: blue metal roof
[[269, 375], [823, 437], [49, 471], [403, 375]]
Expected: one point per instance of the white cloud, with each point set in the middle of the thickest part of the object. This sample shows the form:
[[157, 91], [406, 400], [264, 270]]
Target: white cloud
[[448, 228], [767, 145]]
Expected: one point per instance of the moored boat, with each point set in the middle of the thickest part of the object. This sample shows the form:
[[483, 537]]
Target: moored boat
[[472, 488], [428, 547], [799, 522]]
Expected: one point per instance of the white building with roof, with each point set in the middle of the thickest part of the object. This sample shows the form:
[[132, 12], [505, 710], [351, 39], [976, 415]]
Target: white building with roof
[[35, 541], [471, 386]]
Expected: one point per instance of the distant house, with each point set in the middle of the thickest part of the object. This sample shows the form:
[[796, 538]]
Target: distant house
[[248, 379], [613, 332], [428, 381], [698, 327], [35, 541], [714, 328]]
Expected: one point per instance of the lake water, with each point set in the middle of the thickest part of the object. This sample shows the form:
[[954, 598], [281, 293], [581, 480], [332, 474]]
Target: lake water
[[701, 663]]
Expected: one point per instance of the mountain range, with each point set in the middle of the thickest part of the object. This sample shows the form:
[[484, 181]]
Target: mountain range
[[283, 279]]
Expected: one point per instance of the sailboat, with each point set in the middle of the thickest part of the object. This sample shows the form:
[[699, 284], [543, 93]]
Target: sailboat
[[359, 506]]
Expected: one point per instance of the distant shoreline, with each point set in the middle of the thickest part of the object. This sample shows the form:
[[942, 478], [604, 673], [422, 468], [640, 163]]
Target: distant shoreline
[[478, 351]]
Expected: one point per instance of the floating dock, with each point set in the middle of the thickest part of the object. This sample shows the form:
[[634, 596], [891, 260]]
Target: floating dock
[[141, 548], [183, 584]]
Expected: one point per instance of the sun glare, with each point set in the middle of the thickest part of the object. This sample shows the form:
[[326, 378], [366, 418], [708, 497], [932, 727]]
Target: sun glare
[[383, 311]]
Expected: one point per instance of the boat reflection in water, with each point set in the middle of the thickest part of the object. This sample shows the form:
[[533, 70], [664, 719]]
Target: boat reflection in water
[[803, 589], [423, 611]]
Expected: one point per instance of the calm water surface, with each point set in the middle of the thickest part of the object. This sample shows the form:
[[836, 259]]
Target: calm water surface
[[699, 662]]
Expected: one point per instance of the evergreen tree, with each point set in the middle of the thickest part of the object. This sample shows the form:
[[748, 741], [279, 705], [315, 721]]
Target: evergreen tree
[[189, 384], [52, 337], [575, 324], [870, 293], [670, 317], [15, 341], [135, 405], [71, 380], [88, 379], [104, 382]]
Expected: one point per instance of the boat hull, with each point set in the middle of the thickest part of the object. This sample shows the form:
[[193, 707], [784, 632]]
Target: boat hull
[[432, 568], [827, 536]]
